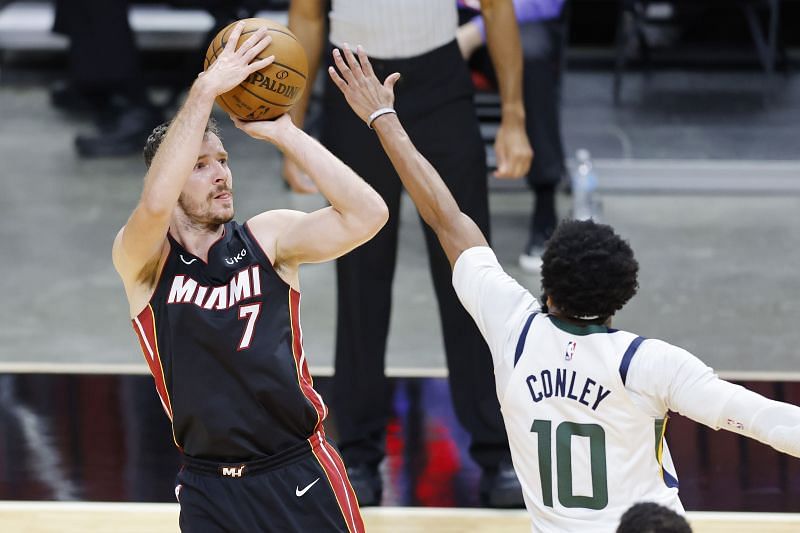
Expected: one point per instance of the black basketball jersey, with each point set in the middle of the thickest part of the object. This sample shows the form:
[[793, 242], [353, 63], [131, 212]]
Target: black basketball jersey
[[223, 342]]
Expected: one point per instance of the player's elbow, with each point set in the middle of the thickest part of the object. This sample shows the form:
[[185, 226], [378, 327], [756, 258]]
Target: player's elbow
[[365, 215], [154, 208], [374, 212], [154, 204]]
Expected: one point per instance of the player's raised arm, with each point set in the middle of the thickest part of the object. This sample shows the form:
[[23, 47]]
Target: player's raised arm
[[373, 102], [139, 244], [357, 212]]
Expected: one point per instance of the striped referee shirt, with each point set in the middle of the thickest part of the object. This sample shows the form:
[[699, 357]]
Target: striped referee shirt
[[393, 29]]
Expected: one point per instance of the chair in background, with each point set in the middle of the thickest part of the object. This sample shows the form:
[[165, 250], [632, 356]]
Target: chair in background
[[633, 16]]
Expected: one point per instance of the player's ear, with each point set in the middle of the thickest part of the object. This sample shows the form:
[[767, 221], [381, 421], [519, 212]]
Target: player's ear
[[544, 301]]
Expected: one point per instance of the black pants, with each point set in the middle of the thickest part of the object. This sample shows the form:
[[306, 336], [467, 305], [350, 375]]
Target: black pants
[[302, 489], [434, 101], [542, 49], [103, 56]]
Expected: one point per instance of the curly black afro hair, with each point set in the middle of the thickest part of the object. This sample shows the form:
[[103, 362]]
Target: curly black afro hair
[[588, 270], [648, 517], [159, 132]]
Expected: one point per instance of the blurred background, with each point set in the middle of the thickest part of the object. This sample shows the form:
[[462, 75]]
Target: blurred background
[[689, 112]]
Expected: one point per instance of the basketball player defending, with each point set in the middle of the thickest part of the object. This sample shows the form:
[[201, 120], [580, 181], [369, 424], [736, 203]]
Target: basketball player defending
[[215, 306], [584, 405]]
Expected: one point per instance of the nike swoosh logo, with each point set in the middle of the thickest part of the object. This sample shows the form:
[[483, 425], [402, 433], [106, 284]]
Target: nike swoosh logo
[[298, 492], [188, 262]]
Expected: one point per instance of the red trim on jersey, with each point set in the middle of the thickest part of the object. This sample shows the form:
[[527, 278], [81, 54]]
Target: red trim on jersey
[[334, 469], [145, 327], [258, 243], [303, 374]]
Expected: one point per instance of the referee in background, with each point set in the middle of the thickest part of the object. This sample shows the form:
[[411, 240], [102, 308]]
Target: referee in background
[[435, 97]]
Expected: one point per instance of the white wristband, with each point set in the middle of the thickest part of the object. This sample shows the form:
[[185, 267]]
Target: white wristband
[[379, 112]]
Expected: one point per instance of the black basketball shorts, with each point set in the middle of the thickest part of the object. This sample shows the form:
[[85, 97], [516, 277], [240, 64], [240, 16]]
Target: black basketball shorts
[[303, 489]]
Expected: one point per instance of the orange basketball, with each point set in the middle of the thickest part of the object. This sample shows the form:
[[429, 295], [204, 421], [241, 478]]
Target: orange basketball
[[270, 92]]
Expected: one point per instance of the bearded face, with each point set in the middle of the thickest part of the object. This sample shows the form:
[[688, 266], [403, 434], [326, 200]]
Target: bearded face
[[207, 197], [215, 209]]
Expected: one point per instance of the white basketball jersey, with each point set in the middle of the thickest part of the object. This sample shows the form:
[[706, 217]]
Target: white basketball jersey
[[583, 450]]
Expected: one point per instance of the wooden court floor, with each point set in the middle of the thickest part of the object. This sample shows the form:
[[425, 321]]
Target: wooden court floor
[[83, 517]]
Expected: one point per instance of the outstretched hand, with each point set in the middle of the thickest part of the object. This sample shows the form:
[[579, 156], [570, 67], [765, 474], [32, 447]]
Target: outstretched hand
[[358, 83], [233, 65]]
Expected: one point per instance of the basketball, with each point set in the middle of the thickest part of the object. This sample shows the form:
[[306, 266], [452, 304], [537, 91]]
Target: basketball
[[272, 91]]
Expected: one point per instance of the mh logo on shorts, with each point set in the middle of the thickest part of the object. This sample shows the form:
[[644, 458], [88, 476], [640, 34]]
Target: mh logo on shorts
[[571, 345], [232, 471]]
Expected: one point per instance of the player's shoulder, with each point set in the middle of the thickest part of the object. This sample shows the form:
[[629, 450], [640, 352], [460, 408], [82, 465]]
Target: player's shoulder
[[661, 347], [272, 221], [478, 255], [139, 281], [133, 272], [116, 249], [660, 354], [474, 260], [266, 227]]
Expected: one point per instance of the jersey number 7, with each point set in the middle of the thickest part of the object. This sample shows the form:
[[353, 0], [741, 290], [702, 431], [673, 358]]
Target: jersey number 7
[[250, 312]]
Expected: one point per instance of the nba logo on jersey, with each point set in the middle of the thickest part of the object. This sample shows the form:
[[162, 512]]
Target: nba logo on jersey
[[571, 345], [735, 424]]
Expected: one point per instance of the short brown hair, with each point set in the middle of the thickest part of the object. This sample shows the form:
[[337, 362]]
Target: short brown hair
[[159, 132]]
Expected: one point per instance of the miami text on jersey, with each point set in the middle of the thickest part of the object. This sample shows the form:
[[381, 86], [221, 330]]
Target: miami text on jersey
[[244, 284], [566, 384]]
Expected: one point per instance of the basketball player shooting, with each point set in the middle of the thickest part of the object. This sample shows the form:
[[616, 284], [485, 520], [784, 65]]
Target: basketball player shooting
[[215, 307], [584, 405]]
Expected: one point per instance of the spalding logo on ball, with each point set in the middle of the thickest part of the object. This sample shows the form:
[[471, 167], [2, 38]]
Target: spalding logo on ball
[[270, 92]]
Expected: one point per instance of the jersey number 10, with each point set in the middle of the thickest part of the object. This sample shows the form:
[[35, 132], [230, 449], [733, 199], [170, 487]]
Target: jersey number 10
[[597, 449]]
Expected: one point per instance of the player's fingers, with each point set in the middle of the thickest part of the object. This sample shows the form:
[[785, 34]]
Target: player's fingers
[[233, 38], [519, 168], [260, 64], [501, 172], [519, 156], [352, 62], [366, 66], [252, 41], [257, 48], [507, 170], [391, 80], [337, 80], [238, 123], [346, 73]]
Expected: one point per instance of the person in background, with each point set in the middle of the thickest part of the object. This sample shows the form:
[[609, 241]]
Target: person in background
[[417, 37], [541, 31], [105, 77], [585, 405]]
